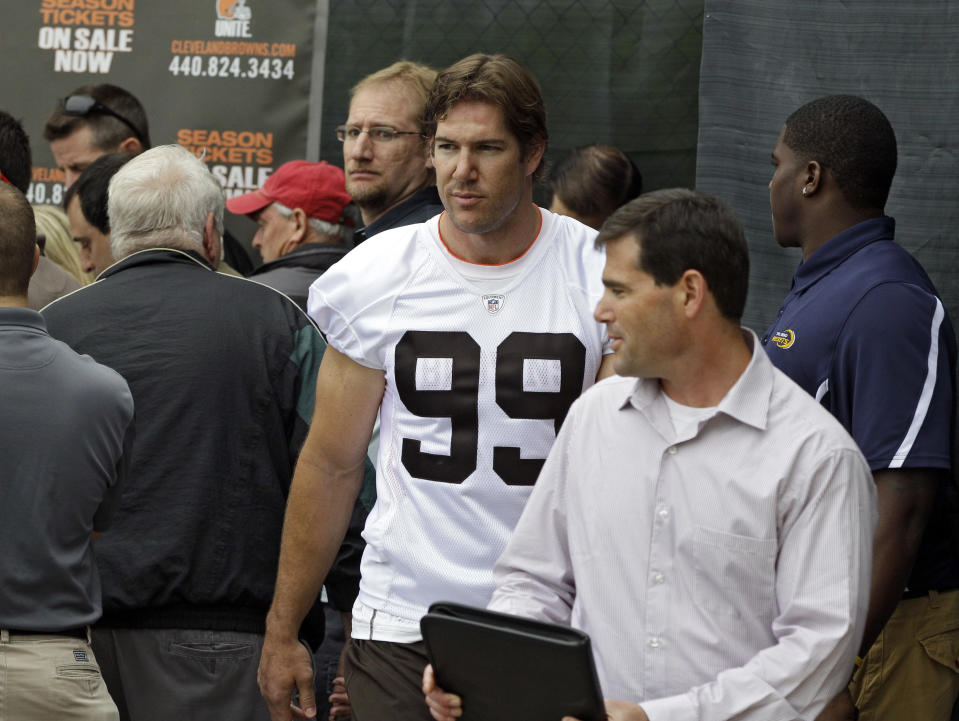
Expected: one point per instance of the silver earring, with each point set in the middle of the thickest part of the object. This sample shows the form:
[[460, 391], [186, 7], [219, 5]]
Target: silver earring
[[805, 190]]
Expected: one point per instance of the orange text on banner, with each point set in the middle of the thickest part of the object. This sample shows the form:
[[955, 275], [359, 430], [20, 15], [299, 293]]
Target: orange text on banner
[[88, 12], [228, 146]]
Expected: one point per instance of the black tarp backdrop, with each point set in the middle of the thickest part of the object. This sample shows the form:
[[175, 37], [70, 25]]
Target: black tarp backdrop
[[762, 59], [620, 72], [228, 78]]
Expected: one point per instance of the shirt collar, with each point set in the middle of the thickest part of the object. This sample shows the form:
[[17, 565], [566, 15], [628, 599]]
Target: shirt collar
[[23, 317], [312, 255], [394, 217], [156, 255], [747, 401], [837, 249]]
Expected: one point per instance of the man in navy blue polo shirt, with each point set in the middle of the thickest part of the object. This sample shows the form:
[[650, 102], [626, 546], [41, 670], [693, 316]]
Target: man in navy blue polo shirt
[[864, 331]]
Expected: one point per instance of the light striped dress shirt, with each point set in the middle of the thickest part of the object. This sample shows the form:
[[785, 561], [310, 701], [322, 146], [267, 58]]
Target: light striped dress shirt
[[722, 574]]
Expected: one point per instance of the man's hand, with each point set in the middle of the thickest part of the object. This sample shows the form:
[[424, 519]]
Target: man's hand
[[339, 700], [285, 666], [905, 499], [841, 708], [620, 711], [443, 706]]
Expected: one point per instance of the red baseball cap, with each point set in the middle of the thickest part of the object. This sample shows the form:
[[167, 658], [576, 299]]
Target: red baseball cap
[[319, 189]]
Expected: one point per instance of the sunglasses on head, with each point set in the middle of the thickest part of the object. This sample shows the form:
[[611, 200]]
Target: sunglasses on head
[[83, 105]]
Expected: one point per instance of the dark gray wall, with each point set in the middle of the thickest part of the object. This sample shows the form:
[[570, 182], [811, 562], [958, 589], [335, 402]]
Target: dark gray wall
[[621, 72]]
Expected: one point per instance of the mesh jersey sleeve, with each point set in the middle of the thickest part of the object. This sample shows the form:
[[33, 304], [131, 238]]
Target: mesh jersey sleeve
[[352, 301], [891, 378]]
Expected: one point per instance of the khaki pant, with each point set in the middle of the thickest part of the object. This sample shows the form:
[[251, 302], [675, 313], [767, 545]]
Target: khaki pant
[[45, 677], [912, 670]]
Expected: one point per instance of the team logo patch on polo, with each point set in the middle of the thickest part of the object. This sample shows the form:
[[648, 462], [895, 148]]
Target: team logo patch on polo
[[80, 656], [784, 338], [494, 303]]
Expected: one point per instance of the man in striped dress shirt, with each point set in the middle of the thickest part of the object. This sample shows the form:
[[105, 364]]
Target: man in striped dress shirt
[[700, 516]]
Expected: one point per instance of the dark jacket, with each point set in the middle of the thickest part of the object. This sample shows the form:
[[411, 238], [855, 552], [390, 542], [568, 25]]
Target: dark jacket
[[293, 273], [416, 209], [222, 372]]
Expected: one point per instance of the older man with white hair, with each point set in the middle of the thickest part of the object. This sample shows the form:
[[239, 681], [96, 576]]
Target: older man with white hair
[[222, 371]]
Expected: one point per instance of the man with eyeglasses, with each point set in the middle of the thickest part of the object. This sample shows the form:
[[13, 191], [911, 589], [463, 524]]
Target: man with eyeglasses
[[384, 153], [472, 333], [92, 121]]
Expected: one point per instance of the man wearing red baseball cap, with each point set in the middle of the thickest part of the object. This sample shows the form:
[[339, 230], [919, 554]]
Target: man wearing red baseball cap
[[302, 227]]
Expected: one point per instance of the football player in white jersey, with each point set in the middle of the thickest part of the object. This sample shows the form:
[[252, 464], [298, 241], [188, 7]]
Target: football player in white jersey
[[474, 333]]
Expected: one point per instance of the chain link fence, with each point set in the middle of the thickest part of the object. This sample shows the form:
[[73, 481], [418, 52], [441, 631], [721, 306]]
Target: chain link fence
[[620, 72]]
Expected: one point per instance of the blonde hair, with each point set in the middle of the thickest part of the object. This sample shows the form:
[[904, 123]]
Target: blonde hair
[[416, 78], [52, 223]]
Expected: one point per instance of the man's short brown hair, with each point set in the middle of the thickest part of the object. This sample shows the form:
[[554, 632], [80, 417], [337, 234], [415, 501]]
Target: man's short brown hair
[[108, 132], [679, 230], [18, 237], [498, 80]]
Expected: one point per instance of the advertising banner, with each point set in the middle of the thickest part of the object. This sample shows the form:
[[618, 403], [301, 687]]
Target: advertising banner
[[228, 79]]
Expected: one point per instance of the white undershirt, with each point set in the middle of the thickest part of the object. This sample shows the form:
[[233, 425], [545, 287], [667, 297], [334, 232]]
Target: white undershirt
[[686, 419]]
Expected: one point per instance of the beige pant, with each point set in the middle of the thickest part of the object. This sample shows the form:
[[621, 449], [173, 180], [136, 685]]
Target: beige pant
[[51, 677], [912, 670]]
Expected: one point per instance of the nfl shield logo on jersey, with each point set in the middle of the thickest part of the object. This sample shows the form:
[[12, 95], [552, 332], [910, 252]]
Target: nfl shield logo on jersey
[[493, 303]]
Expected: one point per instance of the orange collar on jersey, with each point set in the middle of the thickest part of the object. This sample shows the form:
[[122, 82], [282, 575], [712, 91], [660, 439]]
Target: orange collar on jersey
[[439, 229]]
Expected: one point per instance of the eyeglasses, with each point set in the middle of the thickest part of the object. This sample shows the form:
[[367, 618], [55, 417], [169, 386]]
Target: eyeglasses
[[377, 135], [82, 105]]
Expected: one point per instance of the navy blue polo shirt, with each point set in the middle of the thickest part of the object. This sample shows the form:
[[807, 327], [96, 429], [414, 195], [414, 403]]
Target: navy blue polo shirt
[[864, 331]]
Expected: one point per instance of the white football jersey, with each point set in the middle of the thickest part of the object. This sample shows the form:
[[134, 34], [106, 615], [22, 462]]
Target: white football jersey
[[482, 364]]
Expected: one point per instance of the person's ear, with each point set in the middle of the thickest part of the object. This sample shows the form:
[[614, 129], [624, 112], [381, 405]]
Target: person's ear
[[212, 247], [693, 289], [534, 154], [813, 178], [131, 145], [300, 229]]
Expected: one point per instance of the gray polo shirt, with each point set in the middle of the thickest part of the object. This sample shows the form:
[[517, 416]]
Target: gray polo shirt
[[66, 426]]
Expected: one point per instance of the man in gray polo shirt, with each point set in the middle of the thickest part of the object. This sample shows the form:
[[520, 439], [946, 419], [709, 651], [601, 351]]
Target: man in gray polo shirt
[[65, 433]]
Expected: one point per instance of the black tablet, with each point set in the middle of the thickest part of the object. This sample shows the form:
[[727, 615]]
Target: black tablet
[[508, 667]]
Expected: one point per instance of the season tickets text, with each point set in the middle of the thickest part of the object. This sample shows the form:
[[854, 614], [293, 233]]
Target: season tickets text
[[110, 13]]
